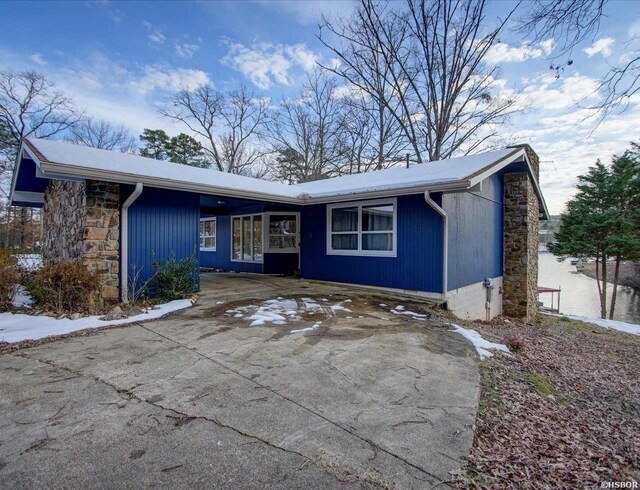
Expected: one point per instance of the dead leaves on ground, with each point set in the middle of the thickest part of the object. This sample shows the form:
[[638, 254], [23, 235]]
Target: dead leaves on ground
[[564, 413]]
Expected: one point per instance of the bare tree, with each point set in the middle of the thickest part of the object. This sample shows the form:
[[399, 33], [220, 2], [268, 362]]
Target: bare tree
[[372, 67], [572, 22], [245, 117], [308, 132], [102, 134], [431, 58], [29, 106], [229, 124]]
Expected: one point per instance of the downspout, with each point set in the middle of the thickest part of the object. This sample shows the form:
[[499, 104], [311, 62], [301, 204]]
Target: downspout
[[124, 243], [445, 241]]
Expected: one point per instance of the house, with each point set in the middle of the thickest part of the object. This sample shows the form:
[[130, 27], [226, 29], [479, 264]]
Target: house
[[463, 230]]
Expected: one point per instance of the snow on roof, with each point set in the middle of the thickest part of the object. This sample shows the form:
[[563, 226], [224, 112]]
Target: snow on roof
[[70, 159], [422, 175], [138, 166]]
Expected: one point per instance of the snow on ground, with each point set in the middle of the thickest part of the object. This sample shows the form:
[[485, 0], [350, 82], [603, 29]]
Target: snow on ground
[[308, 329], [279, 311], [18, 327], [631, 328], [29, 262], [401, 310], [482, 346], [21, 298]]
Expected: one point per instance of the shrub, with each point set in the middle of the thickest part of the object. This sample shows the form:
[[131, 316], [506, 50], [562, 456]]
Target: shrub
[[65, 287], [515, 344], [173, 278], [9, 277]]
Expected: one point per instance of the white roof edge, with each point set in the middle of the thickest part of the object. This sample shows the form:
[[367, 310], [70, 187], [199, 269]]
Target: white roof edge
[[296, 195], [61, 170]]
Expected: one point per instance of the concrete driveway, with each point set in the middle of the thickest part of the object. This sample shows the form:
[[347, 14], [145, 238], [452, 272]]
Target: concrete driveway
[[327, 389]]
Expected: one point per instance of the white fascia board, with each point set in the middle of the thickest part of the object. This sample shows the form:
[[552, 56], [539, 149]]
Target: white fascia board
[[499, 165], [521, 155], [25, 196], [123, 178]]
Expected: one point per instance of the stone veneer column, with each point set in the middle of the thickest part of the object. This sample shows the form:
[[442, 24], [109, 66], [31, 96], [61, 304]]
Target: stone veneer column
[[81, 221], [521, 226]]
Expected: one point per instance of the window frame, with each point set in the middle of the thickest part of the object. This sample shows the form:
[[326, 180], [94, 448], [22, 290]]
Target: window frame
[[242, 217], [215, 234], [267, 218], [359, 252]]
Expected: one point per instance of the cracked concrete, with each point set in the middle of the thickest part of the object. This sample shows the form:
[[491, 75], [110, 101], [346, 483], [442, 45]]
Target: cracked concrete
[[200, 399]]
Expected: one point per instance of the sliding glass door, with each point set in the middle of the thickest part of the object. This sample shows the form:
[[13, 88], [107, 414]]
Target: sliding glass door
[[246, 238]]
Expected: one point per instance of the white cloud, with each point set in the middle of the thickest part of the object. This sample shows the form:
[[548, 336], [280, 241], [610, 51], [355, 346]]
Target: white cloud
[[504, 53], [38, 59], [266, 63], [155, 35], [169, 79], [185, 50], [602, 46], [634, 29]]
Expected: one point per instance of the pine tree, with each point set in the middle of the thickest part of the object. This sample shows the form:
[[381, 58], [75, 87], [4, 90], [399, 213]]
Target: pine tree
[[186, 150], [155, 143], [602, 221]]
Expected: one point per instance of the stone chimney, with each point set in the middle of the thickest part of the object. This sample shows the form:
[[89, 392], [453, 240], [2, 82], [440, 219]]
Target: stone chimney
[[521, 227], [81, 221]]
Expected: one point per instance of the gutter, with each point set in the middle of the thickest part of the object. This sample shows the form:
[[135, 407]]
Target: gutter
[[445, 241], [124, 242]]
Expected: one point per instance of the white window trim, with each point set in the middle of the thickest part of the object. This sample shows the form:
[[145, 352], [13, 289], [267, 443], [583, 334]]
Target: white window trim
[[215, 228], [250, 215], [359, 252], [266, 219]]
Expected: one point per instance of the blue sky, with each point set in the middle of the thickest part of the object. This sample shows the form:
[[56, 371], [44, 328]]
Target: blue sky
[[119, 60]]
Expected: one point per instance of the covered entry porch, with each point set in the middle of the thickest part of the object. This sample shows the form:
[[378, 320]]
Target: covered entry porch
[[249, 236]]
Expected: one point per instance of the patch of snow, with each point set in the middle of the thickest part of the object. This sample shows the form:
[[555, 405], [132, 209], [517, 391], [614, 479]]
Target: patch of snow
[[482, 346], [219, 302], [631, 328], [29, 262], [347, 301], [335, 308], [307, 329], [275, 311], [21, 297], [324, 299], [400, 310], [310, 304], [382, 305], [18, 327]]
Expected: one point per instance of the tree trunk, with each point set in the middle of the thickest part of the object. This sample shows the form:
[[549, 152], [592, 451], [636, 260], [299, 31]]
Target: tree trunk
[[615, 288], [598, 283], [603, 302]]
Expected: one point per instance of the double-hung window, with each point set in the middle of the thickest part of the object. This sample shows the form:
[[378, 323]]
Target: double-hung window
[[362, 228], [208, 234], [246, 238], [283, 232]]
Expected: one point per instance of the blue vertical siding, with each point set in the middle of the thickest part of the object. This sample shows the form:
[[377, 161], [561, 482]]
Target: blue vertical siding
[[418, 265], [160, 222], [475, 233]]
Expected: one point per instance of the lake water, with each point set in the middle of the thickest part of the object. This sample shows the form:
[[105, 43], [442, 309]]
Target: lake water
[[579, 294]]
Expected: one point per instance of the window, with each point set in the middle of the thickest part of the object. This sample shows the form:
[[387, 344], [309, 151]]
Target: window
[[364, 228], [283, 232], [208, 234], [246, 238]]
